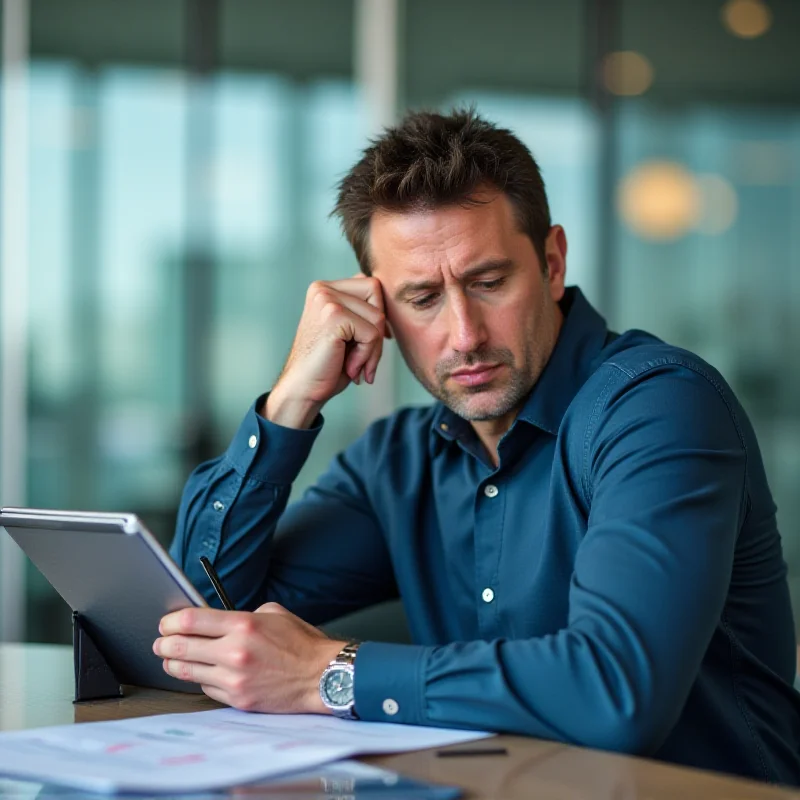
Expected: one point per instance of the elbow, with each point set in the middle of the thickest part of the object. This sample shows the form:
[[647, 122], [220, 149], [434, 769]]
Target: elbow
[[636, 727], [603, 722], [638, 736], [629, 706]]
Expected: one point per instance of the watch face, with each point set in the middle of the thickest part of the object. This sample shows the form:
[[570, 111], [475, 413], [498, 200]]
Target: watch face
[[339, 687]]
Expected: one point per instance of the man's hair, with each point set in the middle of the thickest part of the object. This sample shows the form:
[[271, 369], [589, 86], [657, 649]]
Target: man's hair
[[432, 160]]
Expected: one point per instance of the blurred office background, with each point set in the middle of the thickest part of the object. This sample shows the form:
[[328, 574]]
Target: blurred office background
[[167, 168]]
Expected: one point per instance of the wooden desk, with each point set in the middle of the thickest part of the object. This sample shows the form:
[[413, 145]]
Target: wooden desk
[[36, 687]]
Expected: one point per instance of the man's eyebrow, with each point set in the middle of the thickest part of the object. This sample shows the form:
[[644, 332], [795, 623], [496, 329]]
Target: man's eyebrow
[[493, 265]]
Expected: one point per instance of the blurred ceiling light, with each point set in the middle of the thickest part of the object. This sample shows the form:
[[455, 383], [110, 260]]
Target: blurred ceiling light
[[659, 200], [627, 73], [719, 204], [746, 19]]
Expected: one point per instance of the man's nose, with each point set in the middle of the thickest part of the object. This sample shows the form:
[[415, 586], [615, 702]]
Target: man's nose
[[467, 329]]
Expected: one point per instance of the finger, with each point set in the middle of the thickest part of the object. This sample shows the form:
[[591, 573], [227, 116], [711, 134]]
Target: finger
[[368, 289], [187, 648], [371, 367], [191, 672], [199, 622], [365, 338], [373, 314], [356, 361]]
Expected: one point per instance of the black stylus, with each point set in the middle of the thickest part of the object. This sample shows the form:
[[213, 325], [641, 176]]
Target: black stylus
[[216, 583]]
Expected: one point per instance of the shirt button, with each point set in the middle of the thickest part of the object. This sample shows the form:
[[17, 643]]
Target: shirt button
[[445, 427], [390, 706], [219, 506], [490, 490], [252, 441], [487, 595]]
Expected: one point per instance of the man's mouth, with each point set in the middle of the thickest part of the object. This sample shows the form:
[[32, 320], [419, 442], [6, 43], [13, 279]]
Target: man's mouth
[[475, 375]]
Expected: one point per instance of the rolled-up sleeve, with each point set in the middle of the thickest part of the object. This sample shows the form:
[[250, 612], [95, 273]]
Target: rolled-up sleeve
[[664, 484]]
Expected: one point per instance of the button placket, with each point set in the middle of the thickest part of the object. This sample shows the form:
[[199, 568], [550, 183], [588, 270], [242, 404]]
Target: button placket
[[490, 513]]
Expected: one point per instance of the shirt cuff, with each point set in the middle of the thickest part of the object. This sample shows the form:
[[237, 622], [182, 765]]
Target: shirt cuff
[[389, 682], [271, 453]]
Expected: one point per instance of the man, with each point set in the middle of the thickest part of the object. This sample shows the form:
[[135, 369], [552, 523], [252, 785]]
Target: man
[[580, 527]]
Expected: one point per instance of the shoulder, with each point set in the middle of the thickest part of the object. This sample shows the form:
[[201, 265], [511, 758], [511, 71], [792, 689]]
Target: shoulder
[[640, 381], [637, 355]]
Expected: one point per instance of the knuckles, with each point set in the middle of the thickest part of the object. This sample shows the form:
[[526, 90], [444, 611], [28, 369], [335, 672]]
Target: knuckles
[[246, 625], [186, 619], [246, 704], [315, 288], [235, 685], [175, 647], [271, 608], [331, 310], [185, 670], [240, 657]]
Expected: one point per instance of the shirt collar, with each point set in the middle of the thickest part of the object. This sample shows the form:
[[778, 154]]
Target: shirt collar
[[582, 336]]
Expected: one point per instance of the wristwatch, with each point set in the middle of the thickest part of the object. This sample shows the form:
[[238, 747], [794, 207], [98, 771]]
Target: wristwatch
[[336, 683]]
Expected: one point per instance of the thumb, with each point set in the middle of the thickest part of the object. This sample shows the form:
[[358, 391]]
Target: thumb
[[271, 608]]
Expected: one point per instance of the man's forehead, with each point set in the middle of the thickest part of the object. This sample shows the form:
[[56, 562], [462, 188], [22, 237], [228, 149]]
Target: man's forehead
[[415, 243]]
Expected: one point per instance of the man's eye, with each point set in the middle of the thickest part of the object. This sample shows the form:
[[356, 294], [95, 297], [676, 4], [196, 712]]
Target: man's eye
[[490, 285], [423, 302]]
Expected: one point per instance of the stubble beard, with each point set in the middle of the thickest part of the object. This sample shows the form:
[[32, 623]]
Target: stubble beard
[[518, 382], [508, 396]]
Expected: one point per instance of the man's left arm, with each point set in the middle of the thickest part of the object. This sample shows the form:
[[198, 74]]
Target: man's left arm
[[665, 483]]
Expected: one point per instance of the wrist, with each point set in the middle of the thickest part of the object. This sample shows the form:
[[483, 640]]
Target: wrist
[[327, 653], [337, 683], [288, 411]]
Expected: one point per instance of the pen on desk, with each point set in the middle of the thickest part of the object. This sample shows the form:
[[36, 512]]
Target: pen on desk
[[473, 751], [216, 583]]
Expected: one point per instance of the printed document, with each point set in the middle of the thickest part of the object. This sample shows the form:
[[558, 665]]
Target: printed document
[[201, 751]]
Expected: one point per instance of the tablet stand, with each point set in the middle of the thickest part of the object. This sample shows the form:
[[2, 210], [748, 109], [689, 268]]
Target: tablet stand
[[94, 679]]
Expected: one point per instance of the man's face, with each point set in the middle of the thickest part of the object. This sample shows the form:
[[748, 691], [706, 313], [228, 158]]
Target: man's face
[[475, 317]]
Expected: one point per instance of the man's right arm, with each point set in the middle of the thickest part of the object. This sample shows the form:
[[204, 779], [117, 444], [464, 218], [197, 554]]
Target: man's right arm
[[322, 557], [329, 556]]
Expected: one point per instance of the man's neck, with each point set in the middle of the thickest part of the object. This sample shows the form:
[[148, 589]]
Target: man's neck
[[491, 431]]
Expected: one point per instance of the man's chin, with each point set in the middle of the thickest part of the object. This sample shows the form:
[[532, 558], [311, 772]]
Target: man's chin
[[479, 406]]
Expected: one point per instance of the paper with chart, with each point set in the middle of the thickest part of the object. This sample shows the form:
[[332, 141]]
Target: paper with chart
[[201, 751]]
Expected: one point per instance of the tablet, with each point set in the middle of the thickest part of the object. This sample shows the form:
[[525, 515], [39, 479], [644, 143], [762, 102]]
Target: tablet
[[113, 571]]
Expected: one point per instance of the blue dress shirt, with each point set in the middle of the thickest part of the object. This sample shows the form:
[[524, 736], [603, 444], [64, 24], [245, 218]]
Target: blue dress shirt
[[616, 582]]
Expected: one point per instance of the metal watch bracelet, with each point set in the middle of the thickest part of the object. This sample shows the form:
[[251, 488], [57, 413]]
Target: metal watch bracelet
[[345, 659]]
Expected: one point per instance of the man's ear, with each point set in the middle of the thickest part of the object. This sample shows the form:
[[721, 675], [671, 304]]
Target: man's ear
[[555, 249], [387, 333]]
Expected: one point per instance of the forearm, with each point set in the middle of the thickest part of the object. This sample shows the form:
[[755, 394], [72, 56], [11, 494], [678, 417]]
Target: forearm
[[570, 687], [322, 557], [231, 506]]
